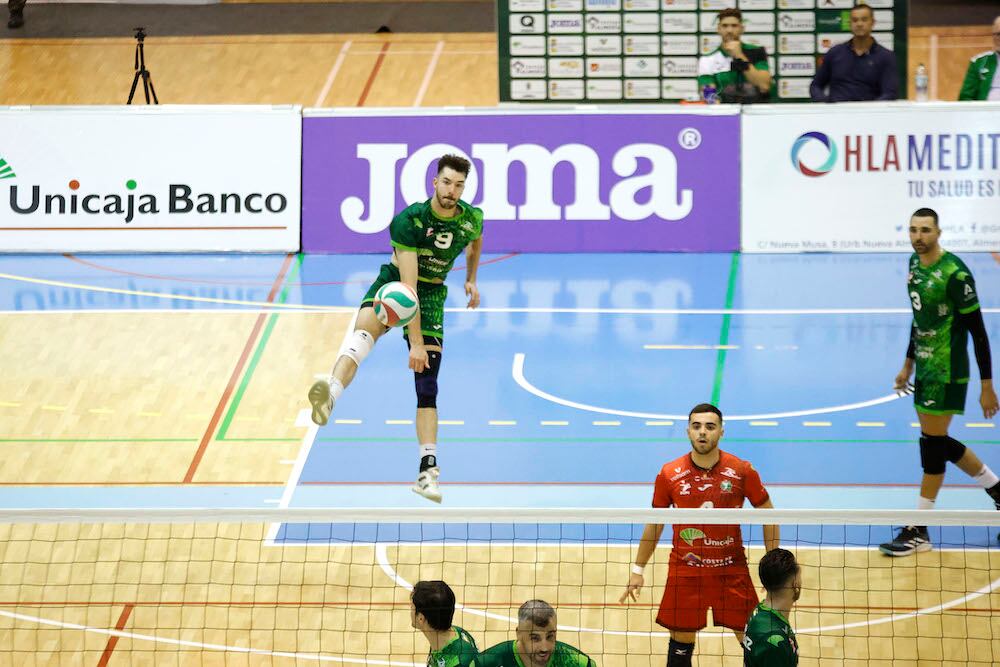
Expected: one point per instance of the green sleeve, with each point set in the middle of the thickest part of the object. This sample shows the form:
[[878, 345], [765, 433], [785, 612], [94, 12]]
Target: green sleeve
[[774, 654], [477, 216], [970, 87], [762, 65], [962, 292], [405, 230], [705, 80]]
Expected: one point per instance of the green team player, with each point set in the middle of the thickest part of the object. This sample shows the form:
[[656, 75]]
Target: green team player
[[426, 239], [432, 607], [769, 640], [536, 644], [736, 70], [945, 313]]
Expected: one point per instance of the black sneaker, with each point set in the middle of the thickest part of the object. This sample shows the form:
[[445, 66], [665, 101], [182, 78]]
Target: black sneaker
[[911, 539], [16, 19]]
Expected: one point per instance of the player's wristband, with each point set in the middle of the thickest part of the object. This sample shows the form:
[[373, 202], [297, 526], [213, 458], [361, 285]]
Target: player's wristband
[[638, 569]]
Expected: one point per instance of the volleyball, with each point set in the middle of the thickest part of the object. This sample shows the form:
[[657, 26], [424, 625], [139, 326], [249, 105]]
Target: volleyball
[[395, 304]]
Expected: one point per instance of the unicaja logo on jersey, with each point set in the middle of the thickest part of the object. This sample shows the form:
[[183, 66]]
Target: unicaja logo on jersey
[[806, 139]]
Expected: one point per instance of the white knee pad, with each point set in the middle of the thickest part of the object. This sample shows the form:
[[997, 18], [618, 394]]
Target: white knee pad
[[358, 347]]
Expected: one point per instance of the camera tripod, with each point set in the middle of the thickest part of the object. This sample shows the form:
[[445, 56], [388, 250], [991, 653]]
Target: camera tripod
[[141, 71]]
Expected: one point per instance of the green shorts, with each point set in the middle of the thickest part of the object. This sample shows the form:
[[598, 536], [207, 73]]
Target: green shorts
[[940, 398], [430, 295]]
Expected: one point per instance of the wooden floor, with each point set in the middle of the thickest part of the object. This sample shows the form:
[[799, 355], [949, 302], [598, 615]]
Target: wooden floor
[[310, 70], [446, 69], [221, 585]]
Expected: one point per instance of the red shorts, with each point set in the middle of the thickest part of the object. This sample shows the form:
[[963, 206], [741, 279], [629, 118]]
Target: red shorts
[[686, 601]]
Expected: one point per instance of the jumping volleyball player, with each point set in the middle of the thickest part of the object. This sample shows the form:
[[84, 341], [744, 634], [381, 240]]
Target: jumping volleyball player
[[426, 239]]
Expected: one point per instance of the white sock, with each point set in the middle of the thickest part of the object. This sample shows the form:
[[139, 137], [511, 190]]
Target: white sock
[[925, 503], [986, 478], [336, 388], [428, 449]]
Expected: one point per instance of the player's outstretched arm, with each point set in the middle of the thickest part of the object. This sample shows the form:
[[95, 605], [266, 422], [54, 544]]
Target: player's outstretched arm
[[772, 534], [647, 545], [408, 271], [472, 253]]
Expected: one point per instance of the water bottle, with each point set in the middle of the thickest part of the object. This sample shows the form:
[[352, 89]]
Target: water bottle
[[710, 94], [920, 80]]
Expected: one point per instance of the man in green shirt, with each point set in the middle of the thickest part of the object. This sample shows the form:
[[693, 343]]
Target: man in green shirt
[[427, 238], [536, 644], [946, 313], [735, 72], [981, 80], [432, 607], [769, 640]]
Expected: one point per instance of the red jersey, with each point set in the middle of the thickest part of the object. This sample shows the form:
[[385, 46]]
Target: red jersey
[[708, 549]]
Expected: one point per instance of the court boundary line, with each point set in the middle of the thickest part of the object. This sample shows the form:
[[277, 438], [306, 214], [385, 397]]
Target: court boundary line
[[517, 373], [135, 636], [425, 84], [292, 483], [235, 375], [382, 557], [332, 76]]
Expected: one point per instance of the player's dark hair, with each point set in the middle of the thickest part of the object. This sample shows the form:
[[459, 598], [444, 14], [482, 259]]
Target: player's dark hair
[[538, 612], [926, 213], [456, 162], [729, 12], [436, 601], [777, 568], [861, 5], [705, 407]]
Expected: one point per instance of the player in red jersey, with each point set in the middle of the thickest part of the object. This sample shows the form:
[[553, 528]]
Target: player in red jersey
[[708, 566]]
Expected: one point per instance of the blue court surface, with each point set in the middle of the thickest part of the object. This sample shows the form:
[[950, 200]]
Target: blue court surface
[[570, 386]]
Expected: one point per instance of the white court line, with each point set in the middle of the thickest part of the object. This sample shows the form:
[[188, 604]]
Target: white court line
[[517, 371], [429, 74], [337, 64], [304, 449], [203, 645], [690, 347], [382, 556], [257, 307]]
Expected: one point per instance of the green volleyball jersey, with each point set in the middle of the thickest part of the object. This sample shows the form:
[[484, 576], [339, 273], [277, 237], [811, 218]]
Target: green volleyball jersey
[[459, 652], [769, 640], [437, 242], [505, 655], [937, 293]]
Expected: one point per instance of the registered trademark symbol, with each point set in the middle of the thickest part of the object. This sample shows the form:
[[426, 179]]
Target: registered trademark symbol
[[689, 138]]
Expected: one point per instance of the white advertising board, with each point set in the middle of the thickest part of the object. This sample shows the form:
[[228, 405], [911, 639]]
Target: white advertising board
[[845, 178], [110, 179]]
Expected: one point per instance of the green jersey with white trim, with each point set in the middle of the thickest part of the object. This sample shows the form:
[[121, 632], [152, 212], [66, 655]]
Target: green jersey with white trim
[[437, 241], [769, 640], [459, 652], [937, 294], [505, 655]]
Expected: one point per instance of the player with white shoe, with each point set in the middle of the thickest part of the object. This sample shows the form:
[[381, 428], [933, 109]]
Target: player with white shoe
[[426, 238]]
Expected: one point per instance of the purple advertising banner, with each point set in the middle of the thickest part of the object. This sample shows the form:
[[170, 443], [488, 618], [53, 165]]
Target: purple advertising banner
[[546, 181]]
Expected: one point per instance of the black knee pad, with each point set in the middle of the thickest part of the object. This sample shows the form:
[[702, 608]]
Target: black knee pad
[[933, 453], [954, 450], [679, 655], [426, 382]]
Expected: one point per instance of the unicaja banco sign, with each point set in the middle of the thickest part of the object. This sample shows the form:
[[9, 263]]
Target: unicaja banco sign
[[633, 194]]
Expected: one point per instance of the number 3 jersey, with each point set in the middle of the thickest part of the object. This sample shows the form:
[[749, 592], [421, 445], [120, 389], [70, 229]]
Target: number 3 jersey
[[937, 294], [437, 242], [708, 549]]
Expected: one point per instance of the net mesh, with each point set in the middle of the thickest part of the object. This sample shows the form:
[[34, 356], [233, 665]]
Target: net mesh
[[299, 586]]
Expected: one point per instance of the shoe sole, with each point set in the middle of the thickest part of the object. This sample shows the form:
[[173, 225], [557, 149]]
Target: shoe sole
[[319, 397], [920, 548], [435, 498]]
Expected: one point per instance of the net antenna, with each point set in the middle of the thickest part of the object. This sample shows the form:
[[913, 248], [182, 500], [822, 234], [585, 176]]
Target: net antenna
[[141, 71]]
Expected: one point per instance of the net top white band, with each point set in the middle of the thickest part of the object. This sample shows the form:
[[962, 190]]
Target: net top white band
[[513, 515]]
